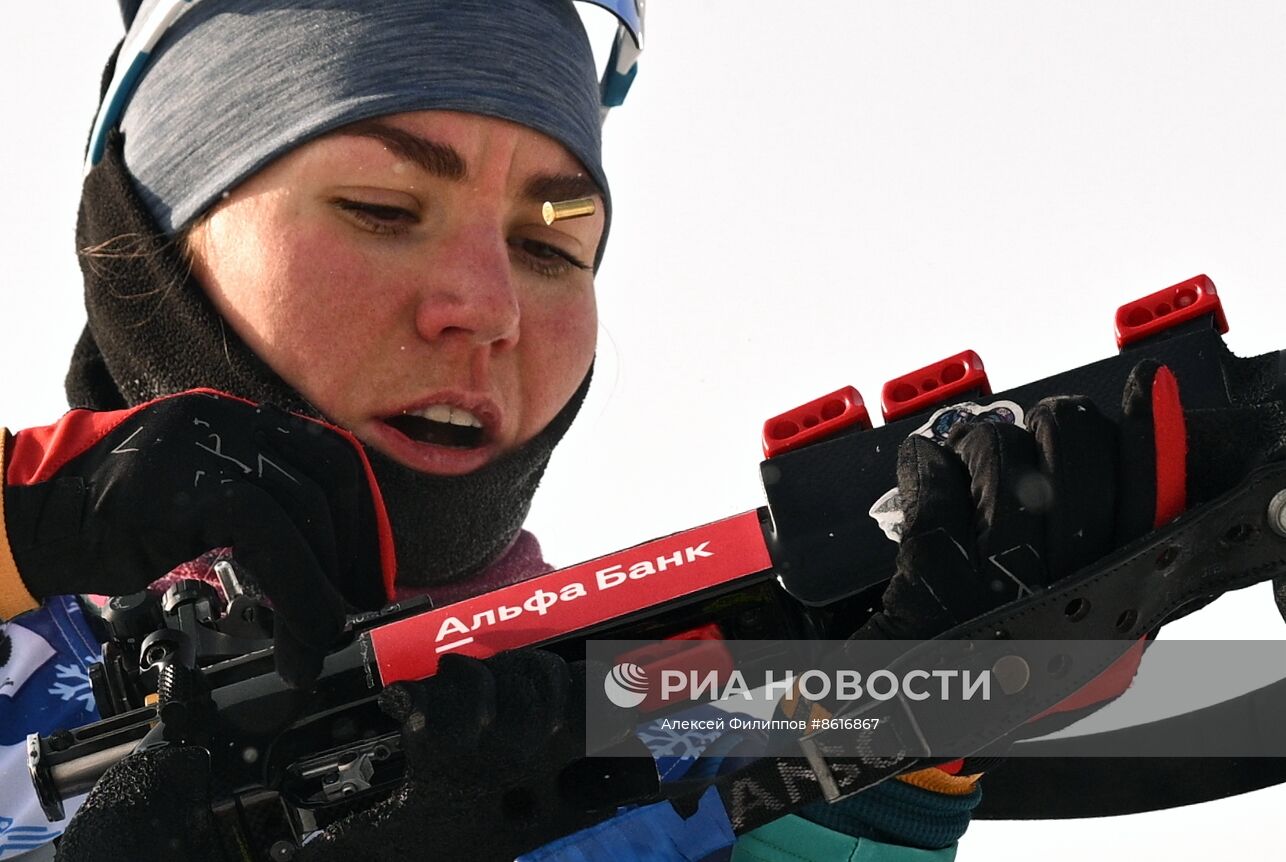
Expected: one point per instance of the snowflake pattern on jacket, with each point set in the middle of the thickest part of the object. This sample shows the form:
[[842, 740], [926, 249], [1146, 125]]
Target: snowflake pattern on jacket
[[44, 686]]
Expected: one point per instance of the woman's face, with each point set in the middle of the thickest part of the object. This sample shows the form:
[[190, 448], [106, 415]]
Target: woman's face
[[399, 275]]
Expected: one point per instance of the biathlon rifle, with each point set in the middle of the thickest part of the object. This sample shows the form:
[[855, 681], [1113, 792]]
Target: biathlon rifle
[[811, 564]]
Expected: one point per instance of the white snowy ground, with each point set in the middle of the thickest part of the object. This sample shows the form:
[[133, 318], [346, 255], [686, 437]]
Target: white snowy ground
[[814, 194]]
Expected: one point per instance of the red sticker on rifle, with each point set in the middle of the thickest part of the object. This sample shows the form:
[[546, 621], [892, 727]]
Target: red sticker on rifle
[[573, 599]]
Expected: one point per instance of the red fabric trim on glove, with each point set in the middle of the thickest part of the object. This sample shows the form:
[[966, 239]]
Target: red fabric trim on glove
[[37, 454]]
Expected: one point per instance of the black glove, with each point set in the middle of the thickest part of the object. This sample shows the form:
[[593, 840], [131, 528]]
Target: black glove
[[149, 807], [496, 767], [109, 502], [998, 511]]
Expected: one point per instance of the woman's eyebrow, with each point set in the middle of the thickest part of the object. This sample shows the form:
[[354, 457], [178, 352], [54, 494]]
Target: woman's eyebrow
[[560, 187], [444, 161], [440, 160]]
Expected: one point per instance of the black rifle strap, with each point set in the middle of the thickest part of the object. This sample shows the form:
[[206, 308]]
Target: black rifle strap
[[1045, 786], [1057, 788]]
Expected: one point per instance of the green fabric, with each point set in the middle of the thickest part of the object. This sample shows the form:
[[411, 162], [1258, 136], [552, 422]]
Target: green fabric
[[898, 813], [794, 839]]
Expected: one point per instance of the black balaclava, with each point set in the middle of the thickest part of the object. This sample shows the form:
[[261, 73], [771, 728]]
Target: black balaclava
[[152, 331]]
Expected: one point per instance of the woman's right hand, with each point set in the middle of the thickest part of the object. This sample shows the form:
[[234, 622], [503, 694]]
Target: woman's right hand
[[108, 502], [496, 764]]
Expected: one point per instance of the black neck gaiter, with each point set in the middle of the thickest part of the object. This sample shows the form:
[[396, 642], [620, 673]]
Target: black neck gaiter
[[152, 332]]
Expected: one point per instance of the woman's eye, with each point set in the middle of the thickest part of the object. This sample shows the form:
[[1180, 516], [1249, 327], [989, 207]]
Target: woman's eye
[[546, 259], [378, 218]]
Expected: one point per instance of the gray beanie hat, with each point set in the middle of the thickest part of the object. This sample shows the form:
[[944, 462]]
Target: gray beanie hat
[[237, 83]]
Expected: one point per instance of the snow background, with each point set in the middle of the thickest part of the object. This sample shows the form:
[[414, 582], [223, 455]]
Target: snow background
[[814, 194]]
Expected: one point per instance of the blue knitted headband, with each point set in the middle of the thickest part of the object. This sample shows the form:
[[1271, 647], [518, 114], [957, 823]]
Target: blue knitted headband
[[234, 84]]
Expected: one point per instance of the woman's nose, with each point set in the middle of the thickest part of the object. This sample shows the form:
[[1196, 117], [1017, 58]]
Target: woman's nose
[[469, 291]]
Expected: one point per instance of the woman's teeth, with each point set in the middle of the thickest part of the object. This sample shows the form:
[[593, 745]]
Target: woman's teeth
[[441, 425], [449, 415]]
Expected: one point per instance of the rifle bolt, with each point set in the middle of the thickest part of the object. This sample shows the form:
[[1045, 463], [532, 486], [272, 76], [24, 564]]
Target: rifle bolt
[[156, 654]]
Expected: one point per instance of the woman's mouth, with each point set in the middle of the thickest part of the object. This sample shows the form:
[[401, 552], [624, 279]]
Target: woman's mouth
[[441, 425], [440, 435]]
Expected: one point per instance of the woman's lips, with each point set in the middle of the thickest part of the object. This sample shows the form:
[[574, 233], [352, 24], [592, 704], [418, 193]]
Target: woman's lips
[[428, 457], [449, 432]]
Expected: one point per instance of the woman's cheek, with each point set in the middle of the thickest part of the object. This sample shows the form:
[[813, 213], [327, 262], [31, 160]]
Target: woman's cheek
[[323, 316], [564, 340]]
